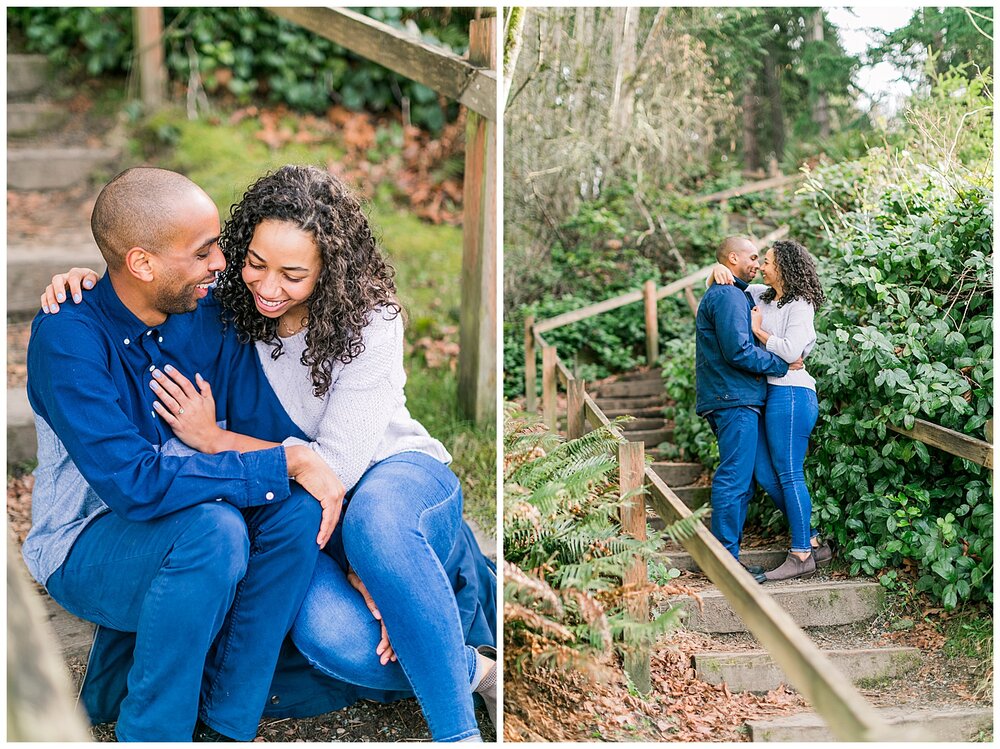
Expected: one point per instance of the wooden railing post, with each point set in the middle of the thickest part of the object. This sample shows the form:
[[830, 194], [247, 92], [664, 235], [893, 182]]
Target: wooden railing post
[[652, 332], [530, 366], [631, 470], [549, 382], [149, 48], [477, 362], [575, 416]]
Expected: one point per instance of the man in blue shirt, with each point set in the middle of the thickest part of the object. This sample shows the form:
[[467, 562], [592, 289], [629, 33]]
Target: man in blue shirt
[[731, 387], [205, 557]]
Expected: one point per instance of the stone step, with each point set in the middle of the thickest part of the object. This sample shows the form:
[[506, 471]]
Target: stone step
[[651, 437], [28, 118], [629, 389], [919, 722], [678, 474], [637, 424], [766, 558], [656, 373], [54, 168], [30, 269], [824, 604], [26, 74], [692, 496], [649, 412], [22, 444], [756, 671], [629, 405]]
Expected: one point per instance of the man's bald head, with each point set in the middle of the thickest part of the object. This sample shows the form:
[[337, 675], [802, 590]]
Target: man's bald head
[[740, 255], [141, 207], [739, 245]]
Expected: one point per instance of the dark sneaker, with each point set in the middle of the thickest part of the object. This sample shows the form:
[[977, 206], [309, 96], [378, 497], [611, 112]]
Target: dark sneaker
[[822, 554], [753, 569], [791, 568], [204, 732]]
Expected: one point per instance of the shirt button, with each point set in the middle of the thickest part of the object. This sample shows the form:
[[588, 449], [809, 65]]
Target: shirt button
[[127, 341], [152, 367], [275, 699], [149, 332], [160, 339], [269, 496]]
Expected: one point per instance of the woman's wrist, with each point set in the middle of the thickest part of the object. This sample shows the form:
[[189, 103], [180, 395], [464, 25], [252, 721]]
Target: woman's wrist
[[298, 458]]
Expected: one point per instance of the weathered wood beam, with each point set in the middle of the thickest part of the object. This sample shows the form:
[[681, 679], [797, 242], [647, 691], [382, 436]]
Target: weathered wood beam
[[441, 70], [752, 187], [950, 441], [148, 24], [477, 360]]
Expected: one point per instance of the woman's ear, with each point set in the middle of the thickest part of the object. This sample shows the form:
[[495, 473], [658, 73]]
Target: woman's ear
[[137, 261]]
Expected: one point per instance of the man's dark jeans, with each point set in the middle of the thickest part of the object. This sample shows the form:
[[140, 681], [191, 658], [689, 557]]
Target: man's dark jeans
[[209, 581]]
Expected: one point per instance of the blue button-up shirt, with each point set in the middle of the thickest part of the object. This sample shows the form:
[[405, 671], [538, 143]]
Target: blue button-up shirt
[[101, 444], [729, 365]]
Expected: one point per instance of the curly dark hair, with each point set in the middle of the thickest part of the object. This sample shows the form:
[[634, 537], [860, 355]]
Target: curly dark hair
[[799, 278], [354, 281]]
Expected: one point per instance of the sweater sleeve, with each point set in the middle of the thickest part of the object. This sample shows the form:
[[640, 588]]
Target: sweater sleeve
[[359, 405], [798, 334]]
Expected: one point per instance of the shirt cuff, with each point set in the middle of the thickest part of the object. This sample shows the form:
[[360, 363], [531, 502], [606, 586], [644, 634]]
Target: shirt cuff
[[267, 476]]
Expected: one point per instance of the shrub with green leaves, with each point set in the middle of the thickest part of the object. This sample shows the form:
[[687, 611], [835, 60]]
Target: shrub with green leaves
[[565, 553], [249, 53]]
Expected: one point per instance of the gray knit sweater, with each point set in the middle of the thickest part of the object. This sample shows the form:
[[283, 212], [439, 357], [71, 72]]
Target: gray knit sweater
[[792, 334], [363, 418]]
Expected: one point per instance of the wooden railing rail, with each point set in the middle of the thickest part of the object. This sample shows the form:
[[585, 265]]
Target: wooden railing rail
[[956, 443], [472, 85], [748, 189], [848, 715]]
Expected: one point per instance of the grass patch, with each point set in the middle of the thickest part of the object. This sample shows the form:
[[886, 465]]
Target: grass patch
[[225, 159], [971, 636]]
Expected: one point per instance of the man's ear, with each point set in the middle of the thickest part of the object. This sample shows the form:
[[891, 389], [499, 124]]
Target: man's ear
[[137, 262]]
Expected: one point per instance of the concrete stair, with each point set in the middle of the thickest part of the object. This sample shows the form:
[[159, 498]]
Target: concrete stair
[[825, 604], [42, 166], [22, 442], [756, 671], [677, 557], [30, 269], [26, 74], [915, 723], [26, 118]]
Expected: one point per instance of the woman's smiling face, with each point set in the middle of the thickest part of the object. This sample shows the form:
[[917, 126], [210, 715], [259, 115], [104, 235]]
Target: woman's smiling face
[[281, 268], [769, 269]]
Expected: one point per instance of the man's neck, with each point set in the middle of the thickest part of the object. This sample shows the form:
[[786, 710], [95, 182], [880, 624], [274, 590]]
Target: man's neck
[[135, 300]]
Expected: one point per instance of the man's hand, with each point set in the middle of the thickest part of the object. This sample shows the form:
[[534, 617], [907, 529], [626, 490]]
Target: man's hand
[[384, 649], [797, 364], [317, 478], [74, 280]]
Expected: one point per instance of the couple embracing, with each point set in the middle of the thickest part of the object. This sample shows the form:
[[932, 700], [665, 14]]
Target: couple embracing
[[753, 389], [230, 484]]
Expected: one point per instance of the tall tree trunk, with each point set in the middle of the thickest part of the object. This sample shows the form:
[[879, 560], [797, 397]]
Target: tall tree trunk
[[751, 149], [772, 74], [624, 52], [821, 113]]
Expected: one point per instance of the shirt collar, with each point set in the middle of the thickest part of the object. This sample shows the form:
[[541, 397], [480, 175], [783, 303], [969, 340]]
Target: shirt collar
[[740, 284]]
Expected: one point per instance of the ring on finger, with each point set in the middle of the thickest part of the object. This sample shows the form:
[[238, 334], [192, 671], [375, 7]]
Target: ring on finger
[[180, 411]]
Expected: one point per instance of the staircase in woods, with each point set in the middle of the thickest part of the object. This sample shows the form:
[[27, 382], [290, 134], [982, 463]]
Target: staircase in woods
[[54, 148], [843, 616]]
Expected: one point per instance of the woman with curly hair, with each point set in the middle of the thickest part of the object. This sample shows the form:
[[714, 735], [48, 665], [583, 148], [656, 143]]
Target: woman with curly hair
[[306, 284], [782, 321]]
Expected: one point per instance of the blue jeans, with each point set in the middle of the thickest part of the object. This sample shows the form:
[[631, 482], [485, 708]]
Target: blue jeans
[[210, 591], [737, 430], [400, 524], [789, 418]]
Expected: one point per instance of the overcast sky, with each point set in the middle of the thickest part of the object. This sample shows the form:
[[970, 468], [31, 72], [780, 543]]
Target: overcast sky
[[856, 25]]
